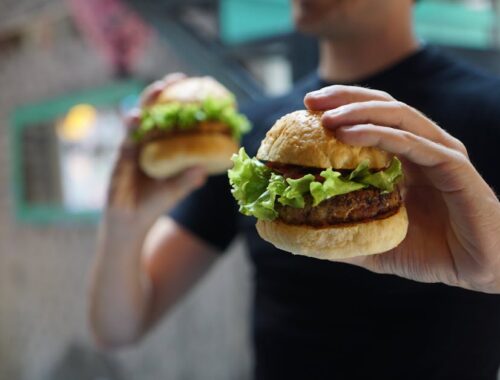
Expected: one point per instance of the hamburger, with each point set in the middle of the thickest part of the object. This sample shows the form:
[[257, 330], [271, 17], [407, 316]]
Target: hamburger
[[192, 122], [316, 196]]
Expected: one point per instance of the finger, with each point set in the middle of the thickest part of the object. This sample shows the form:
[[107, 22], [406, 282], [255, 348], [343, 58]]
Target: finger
[[173, 78], [335, 96], [132, 118], [152, 91], [446, 168], [390, 114]]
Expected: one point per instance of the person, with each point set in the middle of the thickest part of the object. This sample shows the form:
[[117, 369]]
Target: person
[[428, 309]]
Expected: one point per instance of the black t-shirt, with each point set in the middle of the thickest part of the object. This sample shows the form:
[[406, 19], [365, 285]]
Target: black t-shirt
[[315, 319]]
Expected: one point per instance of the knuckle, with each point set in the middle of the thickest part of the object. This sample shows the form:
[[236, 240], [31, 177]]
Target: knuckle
[[400, 106], [459, 159], [384, 95], [402, 110], [409, 138], [461, 146], [337, 90]]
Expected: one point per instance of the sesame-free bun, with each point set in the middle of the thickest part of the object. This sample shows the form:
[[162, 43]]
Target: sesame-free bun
[[337, 242], [208, 145], [299, 138], [167, 157], [194, 90]]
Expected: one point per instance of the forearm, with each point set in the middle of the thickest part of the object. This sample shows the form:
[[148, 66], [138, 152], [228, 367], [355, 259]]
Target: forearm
[[120, 289]]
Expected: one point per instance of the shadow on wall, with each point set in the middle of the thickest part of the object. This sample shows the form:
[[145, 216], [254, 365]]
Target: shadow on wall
[[79, 362]]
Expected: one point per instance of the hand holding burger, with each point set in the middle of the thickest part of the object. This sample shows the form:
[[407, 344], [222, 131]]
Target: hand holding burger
[[454, 216], [185, 129], [193, 121]]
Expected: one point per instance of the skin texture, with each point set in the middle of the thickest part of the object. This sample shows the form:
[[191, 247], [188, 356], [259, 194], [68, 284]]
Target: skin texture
[[454, 215]]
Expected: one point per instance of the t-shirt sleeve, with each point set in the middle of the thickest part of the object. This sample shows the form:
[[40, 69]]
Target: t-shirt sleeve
[[210, 213]]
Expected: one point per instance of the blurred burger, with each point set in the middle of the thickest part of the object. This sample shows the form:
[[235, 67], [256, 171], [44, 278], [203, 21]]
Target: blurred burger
[[315, 196], [194, 121]]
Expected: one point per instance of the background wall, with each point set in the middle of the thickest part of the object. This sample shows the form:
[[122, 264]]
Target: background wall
[[43, 270]]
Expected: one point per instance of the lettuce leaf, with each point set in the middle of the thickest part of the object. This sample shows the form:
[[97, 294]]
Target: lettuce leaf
[[166, 117], [257, 188], [293, 195], [384, 180], [333, 185], [264, 206]]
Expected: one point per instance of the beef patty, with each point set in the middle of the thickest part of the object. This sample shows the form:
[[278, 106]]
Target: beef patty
[[357, 206]]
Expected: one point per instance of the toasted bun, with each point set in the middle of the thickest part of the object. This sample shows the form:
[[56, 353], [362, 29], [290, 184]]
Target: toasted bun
[[300, 139], [194, 90], [332, 243], [169, 156]]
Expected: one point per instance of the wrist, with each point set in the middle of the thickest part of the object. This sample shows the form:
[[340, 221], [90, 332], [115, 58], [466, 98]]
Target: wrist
[[124, 227]]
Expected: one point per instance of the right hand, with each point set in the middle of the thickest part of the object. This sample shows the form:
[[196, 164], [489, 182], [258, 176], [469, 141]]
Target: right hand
[[132, 194]]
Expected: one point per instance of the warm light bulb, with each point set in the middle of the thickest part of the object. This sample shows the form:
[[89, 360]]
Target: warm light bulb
[[78, 122]]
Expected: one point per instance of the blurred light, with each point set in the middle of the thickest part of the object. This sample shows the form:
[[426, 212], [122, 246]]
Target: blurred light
[[78, 122]]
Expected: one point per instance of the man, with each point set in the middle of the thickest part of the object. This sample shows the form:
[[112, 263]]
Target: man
[[325, 320]]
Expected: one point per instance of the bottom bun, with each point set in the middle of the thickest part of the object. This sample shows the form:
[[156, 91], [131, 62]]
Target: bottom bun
[[340, 242], [168, 157]]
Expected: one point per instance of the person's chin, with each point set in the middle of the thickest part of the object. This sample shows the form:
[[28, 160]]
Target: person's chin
[[307, 25], [309, 29]]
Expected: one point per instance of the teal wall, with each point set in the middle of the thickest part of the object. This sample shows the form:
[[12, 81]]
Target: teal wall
[[448, 23]]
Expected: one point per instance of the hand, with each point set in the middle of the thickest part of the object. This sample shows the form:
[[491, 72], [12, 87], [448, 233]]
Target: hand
[[454, 216], [133, 195]]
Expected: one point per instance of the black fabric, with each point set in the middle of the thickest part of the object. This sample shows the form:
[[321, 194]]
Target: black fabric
[[323, 320]]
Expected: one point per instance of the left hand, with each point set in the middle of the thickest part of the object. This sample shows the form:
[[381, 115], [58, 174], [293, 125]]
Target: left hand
[[454, 216]]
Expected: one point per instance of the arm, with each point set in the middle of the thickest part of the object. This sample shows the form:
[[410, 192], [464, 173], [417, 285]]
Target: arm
[[134, 284], [139, 271], [454, 231]]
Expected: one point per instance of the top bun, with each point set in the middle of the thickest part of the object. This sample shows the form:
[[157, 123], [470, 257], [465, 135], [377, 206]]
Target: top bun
[[194, 90], [300, 139]]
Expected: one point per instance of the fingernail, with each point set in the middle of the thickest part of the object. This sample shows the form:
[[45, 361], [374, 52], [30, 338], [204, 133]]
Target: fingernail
[[314, 94]]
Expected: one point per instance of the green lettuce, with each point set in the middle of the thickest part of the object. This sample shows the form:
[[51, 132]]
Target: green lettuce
[[253, 187], [333, 185], [166, 117], [293, 195], [257, 188]]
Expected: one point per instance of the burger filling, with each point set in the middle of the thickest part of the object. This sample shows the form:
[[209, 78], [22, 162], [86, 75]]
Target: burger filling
[[210, 116], [366, 204], [316, 197], [203, 127]]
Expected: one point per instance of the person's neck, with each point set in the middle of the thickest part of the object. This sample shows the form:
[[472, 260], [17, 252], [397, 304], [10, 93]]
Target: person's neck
[[351, 60]]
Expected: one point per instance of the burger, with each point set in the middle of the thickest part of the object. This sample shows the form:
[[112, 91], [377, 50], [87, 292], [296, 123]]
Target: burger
[[316, 196], [192, 122]]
